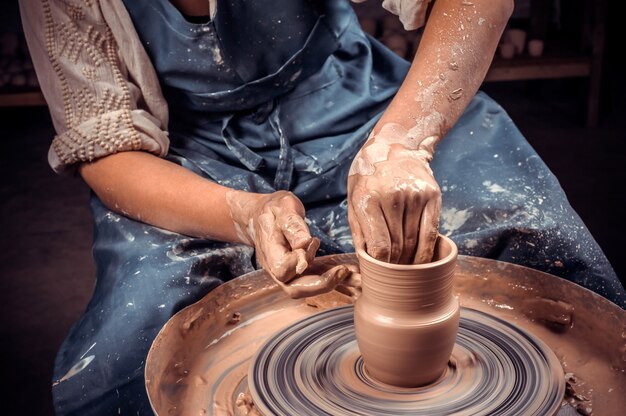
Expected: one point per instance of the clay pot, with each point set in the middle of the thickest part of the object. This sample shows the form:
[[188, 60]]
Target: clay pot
[[407, 318]]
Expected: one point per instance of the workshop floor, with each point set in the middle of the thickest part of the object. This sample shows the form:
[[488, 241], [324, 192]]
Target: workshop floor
[[46, 269]]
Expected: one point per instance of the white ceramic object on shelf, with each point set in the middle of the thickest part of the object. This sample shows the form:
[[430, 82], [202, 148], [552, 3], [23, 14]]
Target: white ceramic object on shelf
[[507, 50], [535, 47], [517, 37]]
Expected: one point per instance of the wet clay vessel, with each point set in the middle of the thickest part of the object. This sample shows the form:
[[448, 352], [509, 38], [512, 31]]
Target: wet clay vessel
[[407, 318]]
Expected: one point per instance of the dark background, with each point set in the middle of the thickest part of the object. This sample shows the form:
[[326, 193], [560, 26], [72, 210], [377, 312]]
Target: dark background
[[46, 269]]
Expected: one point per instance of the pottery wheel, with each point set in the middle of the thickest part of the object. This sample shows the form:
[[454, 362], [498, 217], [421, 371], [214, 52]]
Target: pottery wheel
[[313, 367], [199, 364]]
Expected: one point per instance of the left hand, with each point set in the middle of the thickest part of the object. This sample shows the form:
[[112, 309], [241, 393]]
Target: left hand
[[274, 225], [394, 201]]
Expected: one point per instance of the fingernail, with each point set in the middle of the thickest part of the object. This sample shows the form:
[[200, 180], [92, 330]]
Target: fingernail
[[342, 273], [312, 247], [302, 263]]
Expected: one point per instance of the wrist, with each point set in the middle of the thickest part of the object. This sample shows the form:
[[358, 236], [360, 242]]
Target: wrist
[[243, 206], [424, 153], [393, 140]]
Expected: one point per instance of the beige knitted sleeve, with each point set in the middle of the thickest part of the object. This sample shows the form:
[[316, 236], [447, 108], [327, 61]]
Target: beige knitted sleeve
[[100, 86]]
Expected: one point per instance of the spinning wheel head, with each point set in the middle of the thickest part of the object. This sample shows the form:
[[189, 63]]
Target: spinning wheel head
[[313, 367]]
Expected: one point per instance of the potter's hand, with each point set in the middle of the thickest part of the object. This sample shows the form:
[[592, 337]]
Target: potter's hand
[[412, 13], [274, 225], [393, 199], [322, 278]]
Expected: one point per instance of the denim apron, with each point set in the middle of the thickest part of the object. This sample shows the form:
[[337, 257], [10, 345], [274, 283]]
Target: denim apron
[[281, 98]]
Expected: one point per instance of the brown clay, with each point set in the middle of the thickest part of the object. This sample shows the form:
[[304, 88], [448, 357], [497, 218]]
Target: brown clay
[[407, 318]]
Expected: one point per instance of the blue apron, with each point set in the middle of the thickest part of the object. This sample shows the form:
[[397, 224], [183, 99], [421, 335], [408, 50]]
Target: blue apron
[[269, 98]]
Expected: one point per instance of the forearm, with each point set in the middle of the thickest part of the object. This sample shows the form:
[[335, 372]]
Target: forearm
[[155, 191], [451, 62], [394, 202]]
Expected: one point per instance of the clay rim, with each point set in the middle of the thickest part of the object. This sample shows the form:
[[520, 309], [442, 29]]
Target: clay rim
[[362, 255]]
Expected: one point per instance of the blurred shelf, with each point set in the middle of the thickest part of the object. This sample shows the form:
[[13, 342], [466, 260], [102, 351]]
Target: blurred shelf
[[585, 61], [21, 98]]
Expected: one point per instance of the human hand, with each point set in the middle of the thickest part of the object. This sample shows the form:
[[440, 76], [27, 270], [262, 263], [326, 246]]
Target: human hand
[[394, 201], [322, 277], [274, 225]]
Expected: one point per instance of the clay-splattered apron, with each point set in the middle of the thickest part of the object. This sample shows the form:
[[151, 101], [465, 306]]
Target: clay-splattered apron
[[282, 97]]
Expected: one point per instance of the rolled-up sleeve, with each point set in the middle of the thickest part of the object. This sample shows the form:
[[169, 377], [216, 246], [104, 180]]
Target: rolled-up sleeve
[[412, 13], [102, 99]]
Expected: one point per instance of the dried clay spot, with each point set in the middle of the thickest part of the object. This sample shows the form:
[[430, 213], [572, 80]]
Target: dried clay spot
[[455, 94]]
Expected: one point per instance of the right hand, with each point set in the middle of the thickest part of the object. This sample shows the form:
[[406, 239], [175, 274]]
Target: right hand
[[394, 201]]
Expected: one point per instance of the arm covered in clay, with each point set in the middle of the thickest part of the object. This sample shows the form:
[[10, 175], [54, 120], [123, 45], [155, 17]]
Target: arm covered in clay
[[394, 200], [110, 119], [158, 192], [153, 190]]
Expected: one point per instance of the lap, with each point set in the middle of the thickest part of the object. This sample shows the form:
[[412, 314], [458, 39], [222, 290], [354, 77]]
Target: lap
[[501, 201]]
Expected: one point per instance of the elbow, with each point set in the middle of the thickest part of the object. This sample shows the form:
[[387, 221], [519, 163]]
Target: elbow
[[506, 9], [501, 11]]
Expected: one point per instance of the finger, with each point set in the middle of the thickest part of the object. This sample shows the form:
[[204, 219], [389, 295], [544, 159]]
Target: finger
[[311, 285], [353, 280], [429, 230], [290, 265], [357, 235], [354, 269], [280, 262], [372, 221], [306, 257], [259, 247], [294, 229], [393, 210], [301, 263], [411, 225], [311, 250], [351, 285], [352, 292]]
